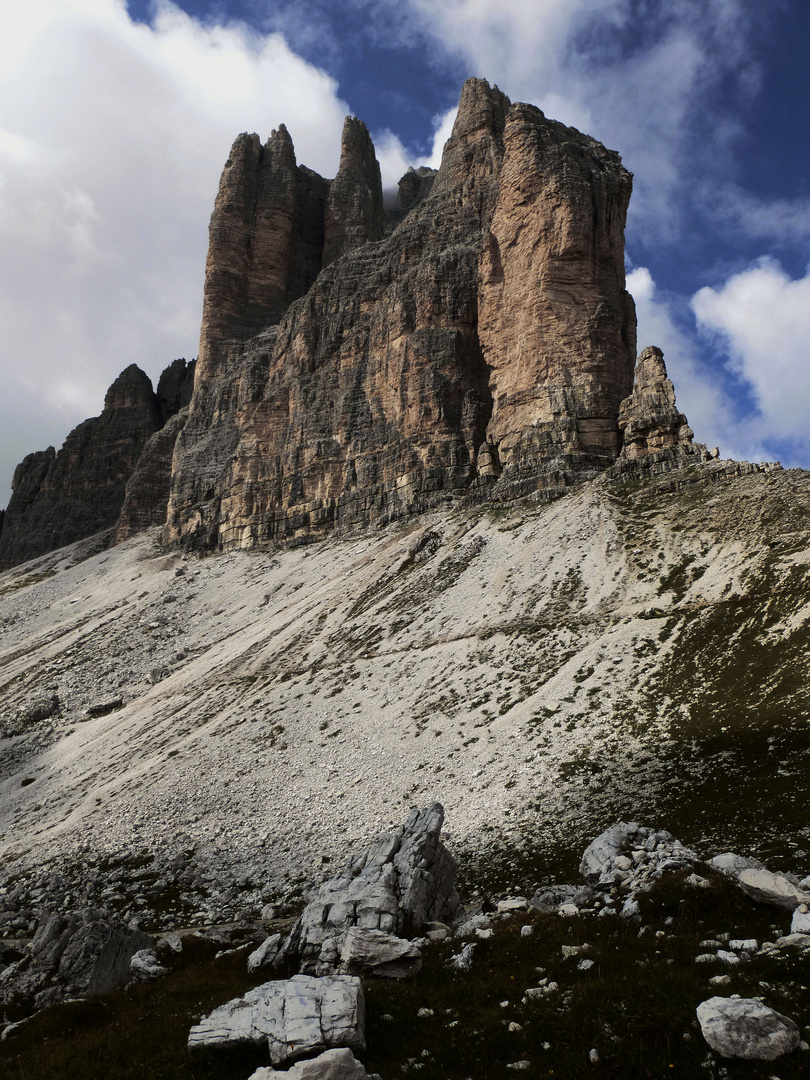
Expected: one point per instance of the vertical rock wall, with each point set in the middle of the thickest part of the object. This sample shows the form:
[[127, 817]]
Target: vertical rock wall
[[484, 345], [556, 325]]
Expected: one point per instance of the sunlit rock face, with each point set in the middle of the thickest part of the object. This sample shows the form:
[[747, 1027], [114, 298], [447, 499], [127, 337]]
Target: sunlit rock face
[[344, 377]]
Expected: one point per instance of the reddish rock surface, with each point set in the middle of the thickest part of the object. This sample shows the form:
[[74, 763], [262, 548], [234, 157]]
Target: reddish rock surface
[[484, 346]]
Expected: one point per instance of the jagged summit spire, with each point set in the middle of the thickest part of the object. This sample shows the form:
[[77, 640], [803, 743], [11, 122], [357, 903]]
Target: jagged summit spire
[[354, 207]]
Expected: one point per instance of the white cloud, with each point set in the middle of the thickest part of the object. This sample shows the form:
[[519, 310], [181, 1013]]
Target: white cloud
[[762, 318], [641, 78], [784, 220], [699, 392], [112, 139], [395, 160]]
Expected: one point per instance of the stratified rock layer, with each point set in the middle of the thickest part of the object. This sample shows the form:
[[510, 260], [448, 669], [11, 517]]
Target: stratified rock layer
[[485, 345], [656, 437]]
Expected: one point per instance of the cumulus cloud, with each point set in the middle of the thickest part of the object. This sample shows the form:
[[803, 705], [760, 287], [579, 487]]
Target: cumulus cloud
[[782, 220], [395, 159], [112, 139], [762, 320], [700, 392], [640, 77]]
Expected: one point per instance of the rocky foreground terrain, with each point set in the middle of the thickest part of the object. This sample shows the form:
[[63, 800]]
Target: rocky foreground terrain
[[185, 738]]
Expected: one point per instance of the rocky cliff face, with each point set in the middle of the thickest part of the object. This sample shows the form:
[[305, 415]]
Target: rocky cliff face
[[58, 498], [147, 490], [655, 436], [648, 419], [484, 346]]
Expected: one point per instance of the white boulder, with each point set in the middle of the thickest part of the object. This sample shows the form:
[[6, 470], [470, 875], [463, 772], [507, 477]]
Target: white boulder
[[773, 889], [800, 923], [265, 954], [331, 1065], [294, 1017], [746, 1028]]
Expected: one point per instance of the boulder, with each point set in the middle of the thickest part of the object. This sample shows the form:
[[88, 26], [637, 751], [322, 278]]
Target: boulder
[[266, 953], [800, 923], [144, 966], [373, 952], [404, 880], [733, 865], [745, 1028], [294, 1017], [773, 889], [330, 1065], [84, 952], [549, 898], [633, 850]]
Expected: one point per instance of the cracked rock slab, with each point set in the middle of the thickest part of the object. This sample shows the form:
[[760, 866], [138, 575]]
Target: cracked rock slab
[[373, 952], [773, 889], [295, 1017]]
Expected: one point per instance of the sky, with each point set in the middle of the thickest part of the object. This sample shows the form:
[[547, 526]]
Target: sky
[[116, 117]]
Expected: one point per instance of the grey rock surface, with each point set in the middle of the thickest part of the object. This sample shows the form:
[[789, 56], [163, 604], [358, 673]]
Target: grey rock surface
[[733, 865], [294, 1017], [628, 851], [746, 1028], [145, 966], [773, 889], [549, 898], [405, 879], [265, 954], [330, 1065], [373, 952], [85, 952]]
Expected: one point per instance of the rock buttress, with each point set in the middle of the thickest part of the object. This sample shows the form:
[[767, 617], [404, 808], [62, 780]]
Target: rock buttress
[[58, 498], [648, 419], [147, 490], [656, 437], [556, 325], [378, 389]]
